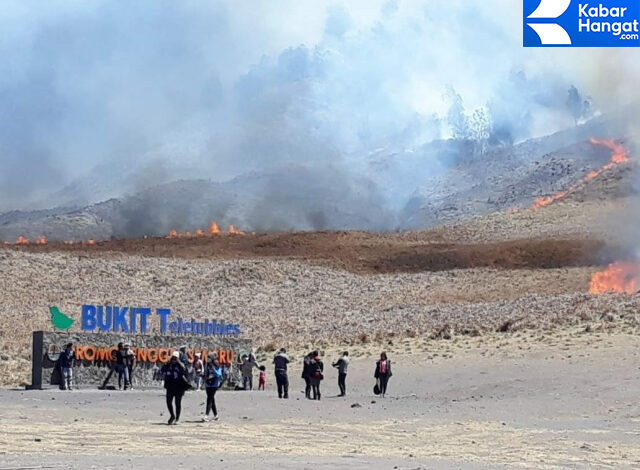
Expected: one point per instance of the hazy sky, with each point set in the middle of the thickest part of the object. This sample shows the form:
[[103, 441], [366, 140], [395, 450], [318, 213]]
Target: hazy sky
[[222, 87]]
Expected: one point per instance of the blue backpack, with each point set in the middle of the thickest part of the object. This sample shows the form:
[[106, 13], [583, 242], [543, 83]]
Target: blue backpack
[[214, 377]]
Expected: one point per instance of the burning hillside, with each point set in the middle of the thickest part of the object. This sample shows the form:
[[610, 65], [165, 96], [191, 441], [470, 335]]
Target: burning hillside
[[619, 156], [320, 198]]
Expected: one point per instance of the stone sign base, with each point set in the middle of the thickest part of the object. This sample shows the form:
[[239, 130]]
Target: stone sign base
[[94, 365]]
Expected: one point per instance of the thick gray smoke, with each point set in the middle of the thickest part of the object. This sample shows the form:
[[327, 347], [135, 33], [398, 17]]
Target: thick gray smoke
[[108, 98]]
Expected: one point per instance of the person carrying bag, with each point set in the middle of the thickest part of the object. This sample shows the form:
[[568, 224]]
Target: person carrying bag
[[382, 375]]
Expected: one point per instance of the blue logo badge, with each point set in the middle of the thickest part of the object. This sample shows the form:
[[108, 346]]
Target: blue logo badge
[[572, 23]]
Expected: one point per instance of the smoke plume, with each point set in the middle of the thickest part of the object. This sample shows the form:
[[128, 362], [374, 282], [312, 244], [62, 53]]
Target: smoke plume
[[109, 98]]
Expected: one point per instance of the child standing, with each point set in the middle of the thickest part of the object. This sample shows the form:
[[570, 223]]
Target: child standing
[[262, 381]]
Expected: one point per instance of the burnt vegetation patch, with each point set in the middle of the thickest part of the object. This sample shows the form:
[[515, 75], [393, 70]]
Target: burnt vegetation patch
[[519, 254], [361, 252]]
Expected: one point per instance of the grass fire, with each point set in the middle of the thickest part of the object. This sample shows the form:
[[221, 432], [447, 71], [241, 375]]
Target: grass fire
[[350, 235], [618, 156]]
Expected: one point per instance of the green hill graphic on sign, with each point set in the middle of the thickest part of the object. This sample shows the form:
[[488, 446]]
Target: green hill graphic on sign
[[59, 319]]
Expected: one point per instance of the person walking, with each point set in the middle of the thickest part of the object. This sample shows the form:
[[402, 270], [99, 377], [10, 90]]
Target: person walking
[[306, 374], [383, 373], [199, 371], [121, 367], [248, 364], [342, 365], [214, 377], [280, 362], [176, 383], [65, 361], [317, 368]]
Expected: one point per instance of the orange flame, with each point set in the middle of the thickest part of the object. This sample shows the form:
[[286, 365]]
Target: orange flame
[[619, 155], [22, 240], [622, 277], [91, 241], [234, 231], [213, 228], [42, 240]]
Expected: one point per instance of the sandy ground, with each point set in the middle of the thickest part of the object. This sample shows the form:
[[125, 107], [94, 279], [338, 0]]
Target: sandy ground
[[565, 399]]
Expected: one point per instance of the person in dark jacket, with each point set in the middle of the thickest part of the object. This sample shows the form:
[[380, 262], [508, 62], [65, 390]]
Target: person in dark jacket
[[184, 358], [121, 367], [65, 362], [214, 377], [306, 374], [317, 368], [175, 382], [342, 365], [280, 362], [383, 372], [247, 364]]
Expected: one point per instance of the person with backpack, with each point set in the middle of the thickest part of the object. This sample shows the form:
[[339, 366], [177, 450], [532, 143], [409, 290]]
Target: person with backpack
[[176, 383], [214, 377], [317, 368], [198, 370], [306, 374], [65, 362], [342, 365], [383, 373], [280, 362]]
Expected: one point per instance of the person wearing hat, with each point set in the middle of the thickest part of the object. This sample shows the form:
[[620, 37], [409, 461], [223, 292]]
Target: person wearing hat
[[176, 383], [198, 369], [214, 377]]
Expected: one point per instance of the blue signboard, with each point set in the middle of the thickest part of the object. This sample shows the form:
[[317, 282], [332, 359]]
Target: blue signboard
[[136, 319]]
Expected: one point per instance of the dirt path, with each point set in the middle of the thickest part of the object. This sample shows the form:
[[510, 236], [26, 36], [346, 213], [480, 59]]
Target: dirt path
[[488, 405]]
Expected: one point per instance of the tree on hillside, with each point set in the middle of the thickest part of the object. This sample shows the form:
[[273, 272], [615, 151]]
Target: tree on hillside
[[579, 107]]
